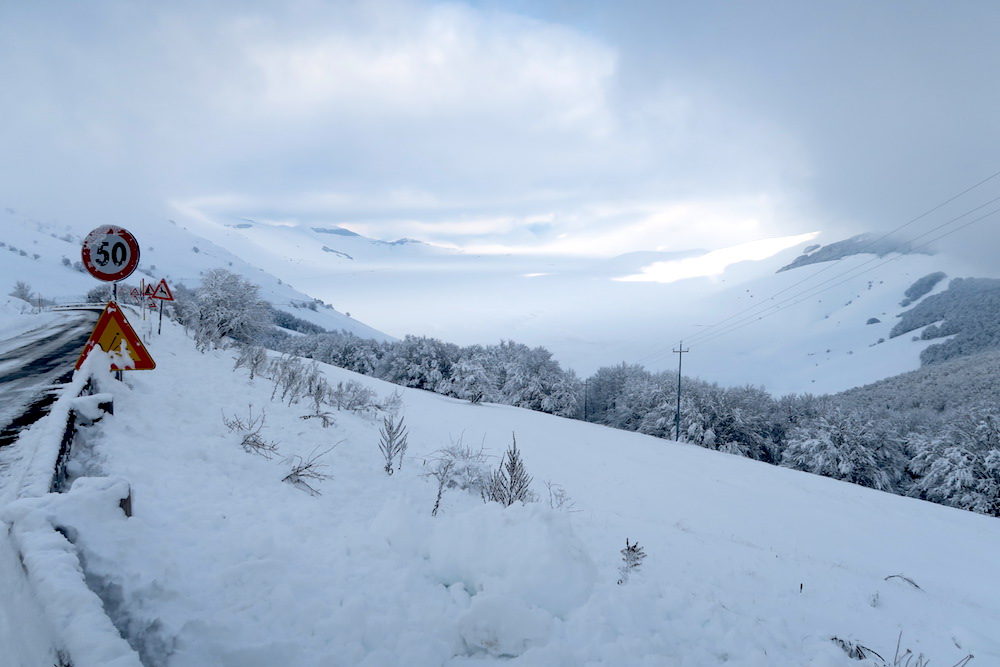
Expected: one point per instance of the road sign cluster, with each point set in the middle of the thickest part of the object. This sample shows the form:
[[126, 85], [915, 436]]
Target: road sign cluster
[[111, 253]]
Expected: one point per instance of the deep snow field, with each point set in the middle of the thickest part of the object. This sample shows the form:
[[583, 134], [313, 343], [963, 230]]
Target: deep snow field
[[223, 563]]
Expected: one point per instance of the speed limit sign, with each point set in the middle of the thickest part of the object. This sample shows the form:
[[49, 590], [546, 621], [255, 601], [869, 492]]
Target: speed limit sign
[[110, 253]]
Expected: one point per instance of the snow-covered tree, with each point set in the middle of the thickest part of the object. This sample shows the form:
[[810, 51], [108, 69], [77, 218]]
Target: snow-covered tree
[[531, 378], [470, 379], [226, 306], [961, 468], [22, 290], [419, 362], [845, 445], [737, 420]]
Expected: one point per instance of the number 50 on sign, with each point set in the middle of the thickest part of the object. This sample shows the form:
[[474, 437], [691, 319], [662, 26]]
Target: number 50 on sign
[[110, 253]]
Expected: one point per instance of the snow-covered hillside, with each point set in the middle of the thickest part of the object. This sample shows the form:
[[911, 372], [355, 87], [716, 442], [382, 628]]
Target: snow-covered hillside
[[799, 330], [223, 563], [43, 254]]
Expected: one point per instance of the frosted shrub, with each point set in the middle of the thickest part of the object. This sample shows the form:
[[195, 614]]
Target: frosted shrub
[[305, 470], [288, 375], [458, 467], [249, 430], [317, 390], [632, 557], [558, 498], [391, 404], [908, 659], [352, 396], [855, 650], [392, 442], [253, 358], [510, 483]]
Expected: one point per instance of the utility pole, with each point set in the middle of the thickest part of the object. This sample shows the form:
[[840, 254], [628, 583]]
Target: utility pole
[[677, 417]]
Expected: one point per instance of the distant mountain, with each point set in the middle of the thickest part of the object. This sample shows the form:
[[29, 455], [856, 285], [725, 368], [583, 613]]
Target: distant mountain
[[856, 245]]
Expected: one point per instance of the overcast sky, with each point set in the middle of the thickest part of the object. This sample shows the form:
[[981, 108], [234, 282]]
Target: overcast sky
[[588, 127]]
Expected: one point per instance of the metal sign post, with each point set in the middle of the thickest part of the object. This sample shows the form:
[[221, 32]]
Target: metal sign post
[[163, 293]]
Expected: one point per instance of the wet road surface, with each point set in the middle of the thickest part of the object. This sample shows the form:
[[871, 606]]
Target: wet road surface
[[35, 363]]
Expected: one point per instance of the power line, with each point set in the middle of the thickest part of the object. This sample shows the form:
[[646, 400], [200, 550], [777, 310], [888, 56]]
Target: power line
[[704, 335], [813, 294], [711, 332], [868, 245]]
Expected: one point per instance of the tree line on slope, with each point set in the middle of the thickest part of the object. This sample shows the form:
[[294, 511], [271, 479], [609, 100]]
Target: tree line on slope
[[966, 312], [908, 435]]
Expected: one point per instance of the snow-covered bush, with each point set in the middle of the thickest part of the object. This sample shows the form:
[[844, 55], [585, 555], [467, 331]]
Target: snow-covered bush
[[249, 432], [353, 396], [392, 442], [318, 393], [306, 470], [632, 557], [288, 374], [459, 466], [253, 358], [558, 498], [510, 483]]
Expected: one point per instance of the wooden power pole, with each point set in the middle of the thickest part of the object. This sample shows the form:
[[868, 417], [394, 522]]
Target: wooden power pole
[[677, 417]]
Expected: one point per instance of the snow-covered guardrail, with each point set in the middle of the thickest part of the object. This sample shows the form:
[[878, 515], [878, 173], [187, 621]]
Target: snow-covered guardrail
[[82, 633]]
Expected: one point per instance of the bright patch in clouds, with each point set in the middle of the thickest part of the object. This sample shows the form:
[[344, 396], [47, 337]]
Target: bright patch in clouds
[[715, 262]]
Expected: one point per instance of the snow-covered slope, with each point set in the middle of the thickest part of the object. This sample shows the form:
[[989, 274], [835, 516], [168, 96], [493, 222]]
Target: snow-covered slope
[[168, 250], [223, 563], [808, 330]]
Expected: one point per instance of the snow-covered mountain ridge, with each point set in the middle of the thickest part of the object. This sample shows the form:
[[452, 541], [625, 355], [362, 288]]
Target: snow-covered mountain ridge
[[856, 245]]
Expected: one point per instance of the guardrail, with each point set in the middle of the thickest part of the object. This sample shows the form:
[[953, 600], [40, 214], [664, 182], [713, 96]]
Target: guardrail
[[84, 635]]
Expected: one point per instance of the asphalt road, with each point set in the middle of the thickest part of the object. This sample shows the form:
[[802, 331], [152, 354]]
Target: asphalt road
[[36, 362]]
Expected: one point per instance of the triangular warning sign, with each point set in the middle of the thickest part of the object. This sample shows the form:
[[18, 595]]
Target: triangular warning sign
[[162, 291], [149, 289], [115, 335]]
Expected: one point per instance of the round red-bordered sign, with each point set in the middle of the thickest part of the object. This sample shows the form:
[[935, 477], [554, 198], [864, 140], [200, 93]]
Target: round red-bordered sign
[[110, 253]]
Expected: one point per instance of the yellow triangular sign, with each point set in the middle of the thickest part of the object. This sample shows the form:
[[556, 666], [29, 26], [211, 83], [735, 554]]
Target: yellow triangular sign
[[115, 335]]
